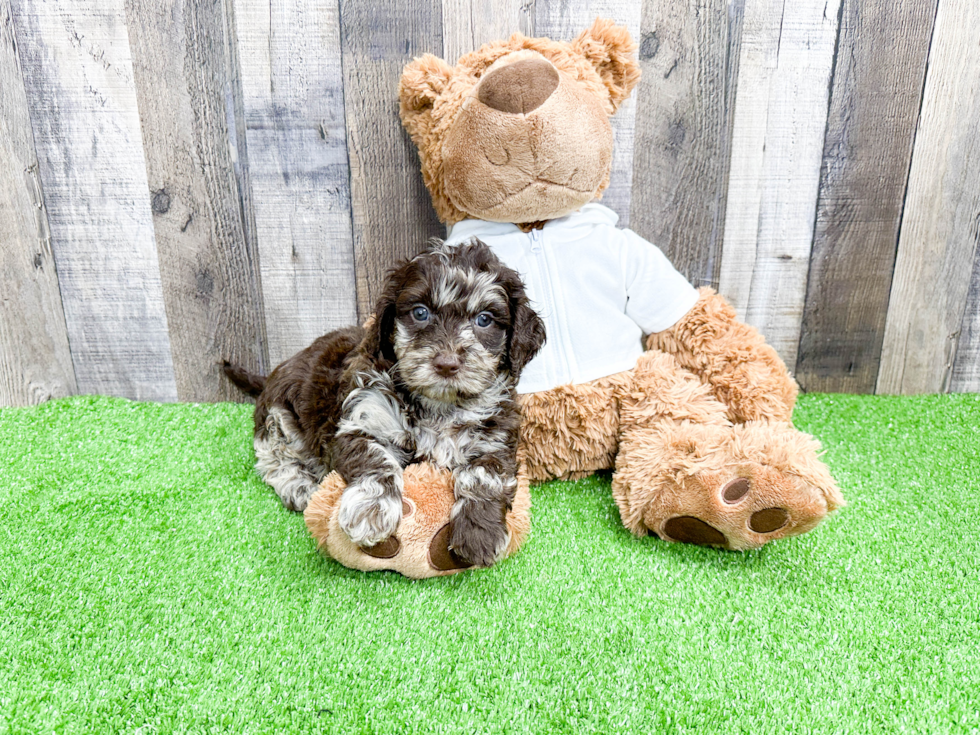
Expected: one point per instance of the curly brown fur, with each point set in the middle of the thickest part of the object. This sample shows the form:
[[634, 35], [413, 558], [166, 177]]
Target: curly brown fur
[[432, 379]]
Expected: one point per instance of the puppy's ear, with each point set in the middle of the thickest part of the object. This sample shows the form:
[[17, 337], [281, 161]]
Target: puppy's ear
[[612, 52], [378, 342], [527, 334]]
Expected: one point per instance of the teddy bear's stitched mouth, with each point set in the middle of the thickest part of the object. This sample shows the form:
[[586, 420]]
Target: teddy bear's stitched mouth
[[531, 183]]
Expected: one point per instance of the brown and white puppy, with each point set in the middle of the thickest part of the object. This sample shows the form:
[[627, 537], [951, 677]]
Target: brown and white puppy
[[431, 379]]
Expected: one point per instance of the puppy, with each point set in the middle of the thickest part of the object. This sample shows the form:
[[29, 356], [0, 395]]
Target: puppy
[[431, 379]]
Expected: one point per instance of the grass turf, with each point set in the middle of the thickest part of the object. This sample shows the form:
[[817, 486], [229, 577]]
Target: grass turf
[[151, 583]]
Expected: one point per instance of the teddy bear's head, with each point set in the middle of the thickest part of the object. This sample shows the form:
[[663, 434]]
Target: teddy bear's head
[[519, 130]]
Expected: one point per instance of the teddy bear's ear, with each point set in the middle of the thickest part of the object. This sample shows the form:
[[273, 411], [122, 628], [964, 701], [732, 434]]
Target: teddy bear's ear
[[423, 80], [612, 52]]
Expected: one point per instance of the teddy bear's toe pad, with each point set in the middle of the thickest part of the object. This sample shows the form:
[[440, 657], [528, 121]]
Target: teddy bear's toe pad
[[768, 520], [441, 557], [691, 530], [736, 489], [387, 549]]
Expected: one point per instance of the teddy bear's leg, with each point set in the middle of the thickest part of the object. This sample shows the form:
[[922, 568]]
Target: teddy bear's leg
[[570, 431], [686, 473], [745, 373]]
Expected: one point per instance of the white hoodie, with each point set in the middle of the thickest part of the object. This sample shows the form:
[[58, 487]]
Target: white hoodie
[[598, 288]]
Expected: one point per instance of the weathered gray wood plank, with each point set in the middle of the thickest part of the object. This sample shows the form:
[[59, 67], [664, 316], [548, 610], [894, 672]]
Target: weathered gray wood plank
[[874, 107], [468, 24], [941, 225], [79, 81], [563, 20], [777, 145], [35, 362], [966, 366], [684, 115], [392, 213], [208, 259], [291, 78]]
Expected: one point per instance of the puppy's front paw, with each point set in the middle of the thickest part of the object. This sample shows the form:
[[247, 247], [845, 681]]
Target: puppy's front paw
[[478, 531], [369, 511]]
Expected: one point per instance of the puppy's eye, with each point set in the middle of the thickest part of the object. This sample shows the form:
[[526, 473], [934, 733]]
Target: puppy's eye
[[420, 313], [484, 319]]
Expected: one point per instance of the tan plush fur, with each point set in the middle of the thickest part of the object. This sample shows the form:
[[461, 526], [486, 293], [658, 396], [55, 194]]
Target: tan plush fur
[[743, 371], [427, 501], [567, 141], [674, 448], [698, 433]]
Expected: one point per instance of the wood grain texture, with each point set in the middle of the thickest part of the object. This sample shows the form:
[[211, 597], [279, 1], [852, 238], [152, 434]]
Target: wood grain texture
[[392, 213], [941, 225], [208, 259], [35, 361], [468, 24], [874, 107], [289, 54], [689, 58], [777, 144], [966, 366], [79, 81], [563, 20]]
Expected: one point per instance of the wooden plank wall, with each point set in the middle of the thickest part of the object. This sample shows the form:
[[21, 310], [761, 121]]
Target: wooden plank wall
[[187, 180], [36, 361], [874, 108], [941, 226]]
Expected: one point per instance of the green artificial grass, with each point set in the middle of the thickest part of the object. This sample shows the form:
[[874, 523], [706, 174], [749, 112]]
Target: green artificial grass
[[151, 583]]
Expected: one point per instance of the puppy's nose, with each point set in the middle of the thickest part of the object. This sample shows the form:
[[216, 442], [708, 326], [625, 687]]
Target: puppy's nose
[[446, 365], [519, 87]]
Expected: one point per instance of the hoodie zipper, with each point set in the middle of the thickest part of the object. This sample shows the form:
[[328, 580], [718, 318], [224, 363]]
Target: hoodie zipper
[[539, 257]]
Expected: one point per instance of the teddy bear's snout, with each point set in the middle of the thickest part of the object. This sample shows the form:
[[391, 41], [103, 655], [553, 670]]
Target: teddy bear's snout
[[520, 87]]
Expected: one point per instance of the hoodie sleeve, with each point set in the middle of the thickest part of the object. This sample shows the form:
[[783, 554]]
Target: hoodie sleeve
[[657, 296]]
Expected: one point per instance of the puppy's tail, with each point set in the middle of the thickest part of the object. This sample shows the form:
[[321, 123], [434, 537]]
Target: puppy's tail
[[250, 383]]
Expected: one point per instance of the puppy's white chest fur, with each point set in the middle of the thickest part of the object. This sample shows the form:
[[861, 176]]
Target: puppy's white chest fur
[[454, 438], [446, 443]]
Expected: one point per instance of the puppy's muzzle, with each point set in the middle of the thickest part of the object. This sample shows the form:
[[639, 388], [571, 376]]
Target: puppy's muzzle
[[447, 364]]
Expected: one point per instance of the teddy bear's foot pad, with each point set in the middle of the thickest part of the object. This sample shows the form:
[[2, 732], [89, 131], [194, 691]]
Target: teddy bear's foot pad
[[419, 548], [691, 530], [742, 512], [737, 487]]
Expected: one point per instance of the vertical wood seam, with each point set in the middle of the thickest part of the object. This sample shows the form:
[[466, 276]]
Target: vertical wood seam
[[361, 317], [236, 107], [905, 194], [817, 201]]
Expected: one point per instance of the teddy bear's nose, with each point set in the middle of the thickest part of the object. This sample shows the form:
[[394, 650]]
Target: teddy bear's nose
[[519, 87]]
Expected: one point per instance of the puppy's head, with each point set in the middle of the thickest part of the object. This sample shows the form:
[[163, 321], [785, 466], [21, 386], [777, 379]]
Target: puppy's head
[[452, 320]]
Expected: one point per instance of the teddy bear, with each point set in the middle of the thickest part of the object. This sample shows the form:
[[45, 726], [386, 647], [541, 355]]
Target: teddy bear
[[641, 374]]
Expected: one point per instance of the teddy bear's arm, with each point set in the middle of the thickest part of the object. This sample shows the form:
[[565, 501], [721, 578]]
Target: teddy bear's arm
[[745, 373]]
